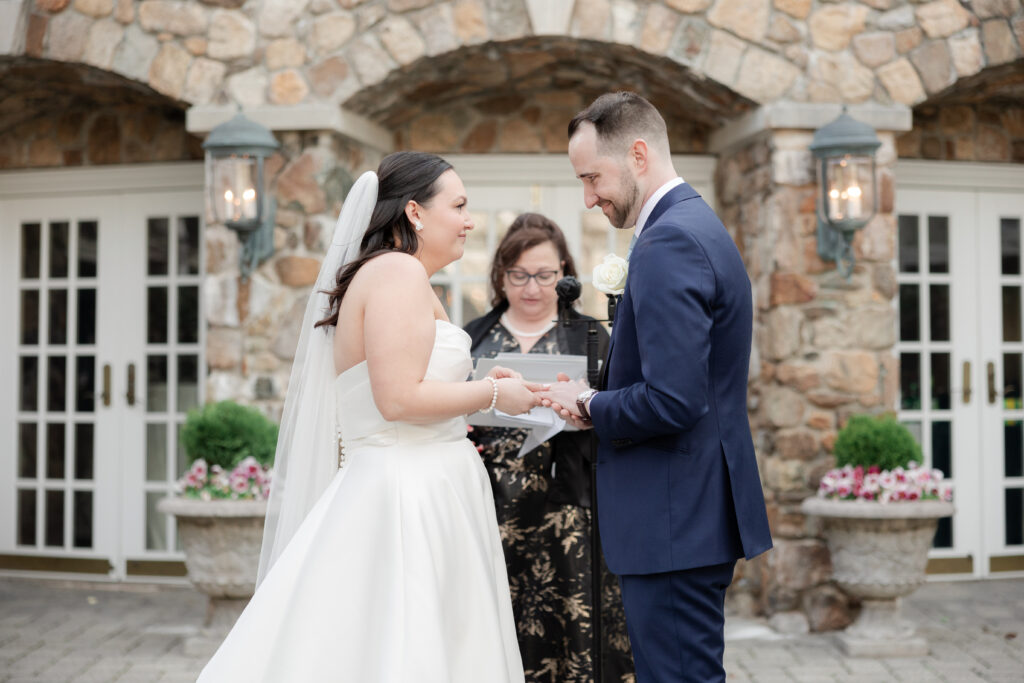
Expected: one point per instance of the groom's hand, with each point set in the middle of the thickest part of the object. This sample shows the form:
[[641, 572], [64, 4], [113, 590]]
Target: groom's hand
[[561, 398]]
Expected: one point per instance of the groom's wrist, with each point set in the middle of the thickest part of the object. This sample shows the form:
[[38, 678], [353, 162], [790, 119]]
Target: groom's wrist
[[583, 403]]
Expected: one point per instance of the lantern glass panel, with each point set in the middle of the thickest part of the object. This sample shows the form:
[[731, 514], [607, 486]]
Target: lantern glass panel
[[234, 181], [849, 188]]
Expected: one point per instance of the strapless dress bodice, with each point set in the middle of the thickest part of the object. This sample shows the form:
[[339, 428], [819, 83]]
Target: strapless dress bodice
[[361, 424]]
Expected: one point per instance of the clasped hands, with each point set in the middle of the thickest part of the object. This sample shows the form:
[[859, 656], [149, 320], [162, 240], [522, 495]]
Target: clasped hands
[[516, 395]]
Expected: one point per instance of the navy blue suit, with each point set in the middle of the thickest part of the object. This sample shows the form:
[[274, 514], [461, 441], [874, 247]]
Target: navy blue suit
[[679, 496]]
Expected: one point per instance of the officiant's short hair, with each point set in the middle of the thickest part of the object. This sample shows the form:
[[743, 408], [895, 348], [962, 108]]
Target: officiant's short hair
[[620, 118]]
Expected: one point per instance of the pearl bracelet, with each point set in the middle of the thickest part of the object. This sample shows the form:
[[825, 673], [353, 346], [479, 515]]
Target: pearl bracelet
[[494, 396]]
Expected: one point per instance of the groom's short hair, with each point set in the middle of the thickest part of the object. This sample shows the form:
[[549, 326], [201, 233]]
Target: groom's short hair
[[620, 118]]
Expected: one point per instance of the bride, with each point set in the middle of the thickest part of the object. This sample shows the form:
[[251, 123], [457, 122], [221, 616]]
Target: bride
[[381, 559]]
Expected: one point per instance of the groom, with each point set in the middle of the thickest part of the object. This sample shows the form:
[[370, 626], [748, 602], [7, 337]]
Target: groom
[[679, 496]]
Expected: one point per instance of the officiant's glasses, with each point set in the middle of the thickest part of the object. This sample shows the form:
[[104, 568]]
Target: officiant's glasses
[[519, 278]]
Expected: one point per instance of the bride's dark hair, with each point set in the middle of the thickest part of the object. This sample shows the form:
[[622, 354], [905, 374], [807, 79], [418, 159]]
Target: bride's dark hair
[[402, 177]]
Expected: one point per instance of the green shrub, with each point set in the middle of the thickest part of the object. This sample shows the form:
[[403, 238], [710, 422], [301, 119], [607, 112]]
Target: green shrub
[[881, 441], [225, 433]]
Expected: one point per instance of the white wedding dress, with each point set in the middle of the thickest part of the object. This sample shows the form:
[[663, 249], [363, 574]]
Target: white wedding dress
[[397, 574]]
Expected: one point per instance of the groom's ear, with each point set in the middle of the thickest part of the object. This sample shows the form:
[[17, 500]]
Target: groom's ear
[[638, 155]]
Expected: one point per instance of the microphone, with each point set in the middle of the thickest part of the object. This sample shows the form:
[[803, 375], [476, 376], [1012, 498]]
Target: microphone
[[568, 290]]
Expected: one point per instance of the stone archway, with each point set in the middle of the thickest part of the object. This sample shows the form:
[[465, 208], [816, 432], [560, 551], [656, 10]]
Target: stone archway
[[518, 96], [65, 114]]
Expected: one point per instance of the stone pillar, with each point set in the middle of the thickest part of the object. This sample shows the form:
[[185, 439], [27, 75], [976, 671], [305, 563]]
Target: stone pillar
[[253, 325], [823, 346]]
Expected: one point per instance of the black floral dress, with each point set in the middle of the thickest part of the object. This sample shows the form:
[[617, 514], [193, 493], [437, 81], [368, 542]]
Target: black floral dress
[[544, 518]]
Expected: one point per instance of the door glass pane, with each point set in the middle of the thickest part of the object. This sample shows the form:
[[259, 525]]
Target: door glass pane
[[188, 314], [156, 525], [85, 384], [940, 381], [1011, 381], [27, 450], [84, 450], [188, 245], [82, 519], [938, 244], [938, 305], [28, 383], [54, 451], [910, 313], [915, 429], [30, 316], [1014, 516], [909, 248], [53, 520], [58, 315], [156, 316], [182, 457], [156, 452], [1011, 314], [58, 249], [30, 252], [1013, 448], [942, 447], [86, 316], [26, 517], [1009, 232], [910, 381], [188, 382], [474, 300], [157, 247], [156, 383], [944, 534], [55, 387], [87, 240]]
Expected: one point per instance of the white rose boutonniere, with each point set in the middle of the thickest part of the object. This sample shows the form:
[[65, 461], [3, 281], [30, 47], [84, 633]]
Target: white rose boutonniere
[[610, 275]]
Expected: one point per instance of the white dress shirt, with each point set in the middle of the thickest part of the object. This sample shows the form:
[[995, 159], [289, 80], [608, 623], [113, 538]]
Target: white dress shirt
[[648, 207]]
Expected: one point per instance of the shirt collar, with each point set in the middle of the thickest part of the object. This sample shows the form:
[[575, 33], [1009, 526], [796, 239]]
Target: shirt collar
[[648, 207]]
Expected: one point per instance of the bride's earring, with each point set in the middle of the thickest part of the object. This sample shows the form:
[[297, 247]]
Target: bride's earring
[[418, 225]]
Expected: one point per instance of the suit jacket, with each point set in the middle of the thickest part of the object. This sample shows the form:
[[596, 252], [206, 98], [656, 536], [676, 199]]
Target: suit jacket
[[677, 478]]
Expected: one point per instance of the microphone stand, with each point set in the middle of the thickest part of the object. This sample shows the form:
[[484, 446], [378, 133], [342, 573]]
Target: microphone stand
[[568, 290]]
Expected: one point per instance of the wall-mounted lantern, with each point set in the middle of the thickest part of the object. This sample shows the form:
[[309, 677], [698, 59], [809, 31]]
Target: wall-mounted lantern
[[235, 152], [848, 192]]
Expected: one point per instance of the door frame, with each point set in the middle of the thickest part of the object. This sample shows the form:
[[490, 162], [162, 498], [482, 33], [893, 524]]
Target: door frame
[[71, 185]]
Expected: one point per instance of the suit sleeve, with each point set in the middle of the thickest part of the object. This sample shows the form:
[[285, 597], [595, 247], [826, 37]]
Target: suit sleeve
[[671, 286]]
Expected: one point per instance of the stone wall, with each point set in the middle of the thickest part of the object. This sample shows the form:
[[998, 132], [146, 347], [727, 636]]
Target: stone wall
[[823, 351], [965, 132], [289, 52], [253, 324]]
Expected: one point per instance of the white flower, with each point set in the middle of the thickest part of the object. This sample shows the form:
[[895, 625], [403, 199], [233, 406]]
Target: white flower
[[610, 275]]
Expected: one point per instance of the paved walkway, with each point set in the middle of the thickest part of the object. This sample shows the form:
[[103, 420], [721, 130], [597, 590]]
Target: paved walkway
[[56, 632]]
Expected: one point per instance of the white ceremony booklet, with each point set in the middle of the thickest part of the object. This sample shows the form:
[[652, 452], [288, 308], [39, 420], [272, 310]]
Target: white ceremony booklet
[[542, 422]]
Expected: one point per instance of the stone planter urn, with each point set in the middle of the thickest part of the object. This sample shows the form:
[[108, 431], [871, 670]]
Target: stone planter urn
[[879, 553], [221, 539]]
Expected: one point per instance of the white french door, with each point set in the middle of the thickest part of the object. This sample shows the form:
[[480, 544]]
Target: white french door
[[960, 280], [100, 283], [500, 187]]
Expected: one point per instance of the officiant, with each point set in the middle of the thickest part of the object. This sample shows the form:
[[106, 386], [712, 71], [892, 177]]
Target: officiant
[[543, 498]]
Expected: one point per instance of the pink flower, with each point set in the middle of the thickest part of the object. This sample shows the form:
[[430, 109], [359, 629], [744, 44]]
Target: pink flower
[[239, 485]]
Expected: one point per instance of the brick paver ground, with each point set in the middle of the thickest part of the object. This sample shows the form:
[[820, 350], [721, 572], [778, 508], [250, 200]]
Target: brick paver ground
[[56, 632]]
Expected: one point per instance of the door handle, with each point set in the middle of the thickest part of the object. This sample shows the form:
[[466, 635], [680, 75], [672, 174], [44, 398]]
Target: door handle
[[967, 382], [130, 396], [990, 370], [106, 385]]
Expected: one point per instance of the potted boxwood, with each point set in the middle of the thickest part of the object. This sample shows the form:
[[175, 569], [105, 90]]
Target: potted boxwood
[[879, 510], [220, 507]]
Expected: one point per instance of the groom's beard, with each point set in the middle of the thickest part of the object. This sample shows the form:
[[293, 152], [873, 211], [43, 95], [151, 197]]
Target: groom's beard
[[628, 207]]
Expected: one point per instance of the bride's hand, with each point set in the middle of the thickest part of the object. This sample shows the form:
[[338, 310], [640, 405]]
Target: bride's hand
[[498, 372], [516, 396]]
